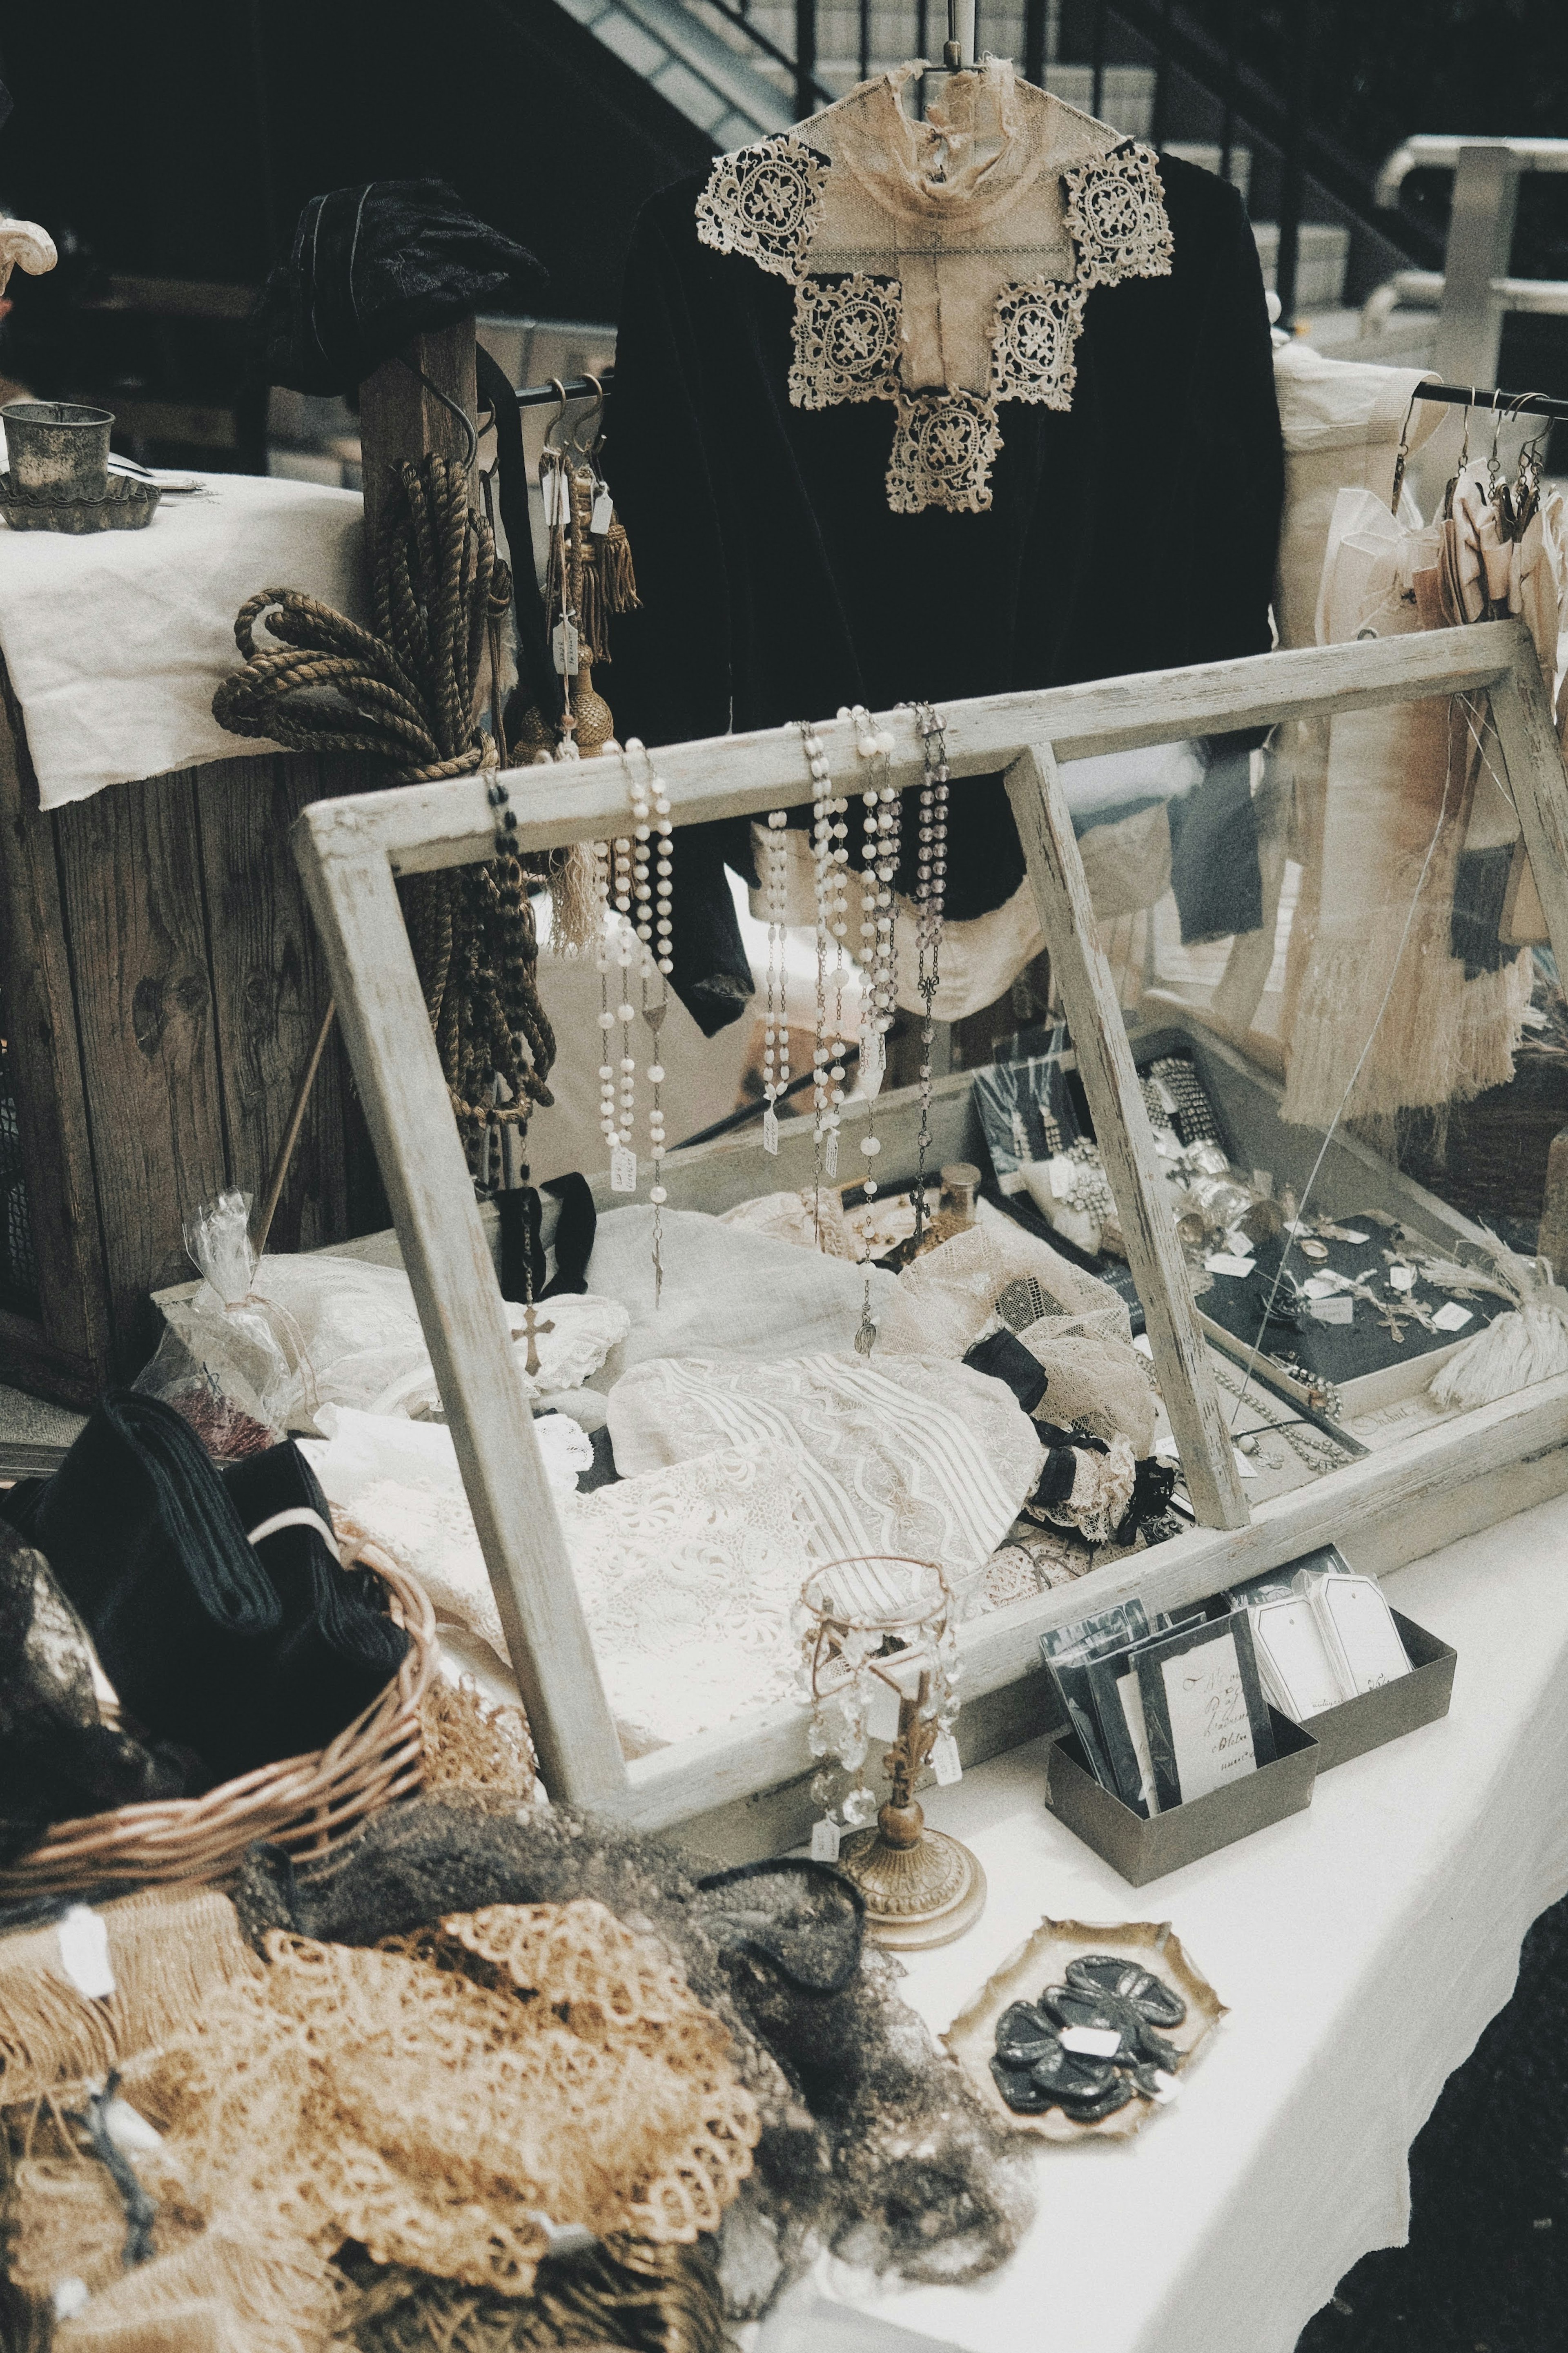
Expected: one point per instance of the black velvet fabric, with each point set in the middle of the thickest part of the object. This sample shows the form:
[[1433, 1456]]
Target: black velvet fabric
[[373, 266], [1135, 530], [240, 1653], [1005, 1358]]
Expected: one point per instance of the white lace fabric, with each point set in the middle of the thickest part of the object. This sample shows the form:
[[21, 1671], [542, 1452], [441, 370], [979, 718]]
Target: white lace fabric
[[942, 266], [899, 1455]]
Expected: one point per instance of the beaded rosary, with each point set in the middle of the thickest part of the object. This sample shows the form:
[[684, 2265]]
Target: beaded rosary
[[634, 873], [830, 856], [931, 890]]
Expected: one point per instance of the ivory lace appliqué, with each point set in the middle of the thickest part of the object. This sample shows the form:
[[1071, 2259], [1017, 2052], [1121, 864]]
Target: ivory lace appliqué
[[763, 202]]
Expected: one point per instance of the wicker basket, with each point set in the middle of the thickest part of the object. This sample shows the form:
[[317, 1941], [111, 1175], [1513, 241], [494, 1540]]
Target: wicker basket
[[304, 1803]]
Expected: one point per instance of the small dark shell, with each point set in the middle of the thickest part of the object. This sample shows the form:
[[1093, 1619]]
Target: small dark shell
[[1022, 2035], [1073, 2074], [1154, 2000], [1020, 2091]]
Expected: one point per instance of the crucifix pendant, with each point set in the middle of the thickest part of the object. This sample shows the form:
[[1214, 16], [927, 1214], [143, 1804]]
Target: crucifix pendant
[[1392, 1324], [532, 1326]]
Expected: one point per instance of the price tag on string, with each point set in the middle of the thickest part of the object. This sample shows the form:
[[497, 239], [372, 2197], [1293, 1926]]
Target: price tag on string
[[1339, 1309], [604, 512], [1452, 1317], [84, 1952], [1064, 1176], [1224, 1263], [824, 1838], [770, 1130], [623, 1169], [553, 491], [1402, 1278], [563, 647], [945, 1761], [830, 1153]]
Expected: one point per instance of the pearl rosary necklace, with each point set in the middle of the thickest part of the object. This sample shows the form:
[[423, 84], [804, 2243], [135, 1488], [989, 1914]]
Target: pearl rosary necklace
[[775, 1028], [879, 852], [651, 832], [830, 835], [931, 892]]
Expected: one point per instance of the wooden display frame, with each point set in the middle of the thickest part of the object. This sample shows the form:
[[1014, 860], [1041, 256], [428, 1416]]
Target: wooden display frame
[[352, 852]]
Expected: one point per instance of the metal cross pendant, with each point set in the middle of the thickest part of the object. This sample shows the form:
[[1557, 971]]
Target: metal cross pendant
[[532, 1326], [1389, 1319]]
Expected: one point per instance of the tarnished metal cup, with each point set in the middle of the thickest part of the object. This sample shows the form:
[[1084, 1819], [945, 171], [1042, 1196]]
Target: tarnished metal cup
[[57, 449]]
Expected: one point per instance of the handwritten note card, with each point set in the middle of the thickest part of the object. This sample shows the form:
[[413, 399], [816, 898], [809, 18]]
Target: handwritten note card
[[1203, 1709]]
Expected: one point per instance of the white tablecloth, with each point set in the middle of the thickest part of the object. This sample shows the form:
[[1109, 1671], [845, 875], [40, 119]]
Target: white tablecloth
[[115, 640], [1362, 1947]]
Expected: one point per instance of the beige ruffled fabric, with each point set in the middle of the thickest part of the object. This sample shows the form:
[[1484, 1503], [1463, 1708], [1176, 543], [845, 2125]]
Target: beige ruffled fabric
[[1093, 1383], [947, 1299]]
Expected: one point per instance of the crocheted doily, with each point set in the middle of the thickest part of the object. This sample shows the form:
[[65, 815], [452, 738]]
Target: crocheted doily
[[444, 2100]]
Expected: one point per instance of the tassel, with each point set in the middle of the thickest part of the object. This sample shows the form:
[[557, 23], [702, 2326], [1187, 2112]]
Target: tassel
[[613, 562], [591, 615], [67, 2220], [574, 909], [225, 2292], [170, 1949], [1527, 1344]]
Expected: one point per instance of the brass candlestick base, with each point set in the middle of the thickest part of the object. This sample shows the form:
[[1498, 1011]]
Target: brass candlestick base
[[921, 1887], [918, 1894]]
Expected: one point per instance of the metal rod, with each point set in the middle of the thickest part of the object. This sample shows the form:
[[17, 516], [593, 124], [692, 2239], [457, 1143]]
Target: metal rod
[[1034, 41], [805, 58], [262, 1226], [865, 40], [1161, 78], [1512, 404], [1293, 172], [1227, 118], [1097, 62]]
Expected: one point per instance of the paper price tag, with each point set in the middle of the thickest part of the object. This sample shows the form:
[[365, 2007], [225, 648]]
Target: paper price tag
[[1225, 1262], [830, 1153], [604, 512], [1339, 1309], [1064, 1176], [873, 1060], [1247, 1470], [770, 1130], [1402, 1278], [824, 1838], [1350, 1237], [1453, 1317], [84, 1952], [1091, 2041], [563, 648], [1163, 1097], [1166, 1445], [553, 491], [945, 1761], [623, 1170], [1320, 1286], [1166, 2087], [1238, 1244]]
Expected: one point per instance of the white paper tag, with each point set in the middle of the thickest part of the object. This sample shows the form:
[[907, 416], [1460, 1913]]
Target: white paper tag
[[824, 1838], [1402, 1278], [945, 1761], [69, 2297], [1452, 1317], [129, 2130], [1263, 1184], [1064, 1176], [1091, 2041], [623, 1169], [604, 512], [1166, 1445], [84, 1952], [1238, 1244], [1225, 1263], [873, 1059], [1145, 1346], [1247, 1470], [1163, 1097], [1167, 1144], [563, 647], [549, 488], [1166, 2087], [770, 1130], [1319, 1286], [1351, 1236], [830, 1153], [1339, 1309]]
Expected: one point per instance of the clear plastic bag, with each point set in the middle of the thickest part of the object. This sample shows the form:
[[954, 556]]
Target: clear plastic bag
[[233, 1363]]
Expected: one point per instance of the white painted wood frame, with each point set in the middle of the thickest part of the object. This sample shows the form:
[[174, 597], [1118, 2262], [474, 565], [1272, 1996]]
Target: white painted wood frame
[[352, 852]]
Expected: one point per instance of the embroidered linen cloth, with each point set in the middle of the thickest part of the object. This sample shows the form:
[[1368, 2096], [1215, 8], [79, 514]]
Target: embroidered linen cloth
[[115, 640]]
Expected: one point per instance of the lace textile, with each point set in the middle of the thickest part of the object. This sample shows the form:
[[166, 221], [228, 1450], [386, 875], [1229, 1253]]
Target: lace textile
[[932, 273]]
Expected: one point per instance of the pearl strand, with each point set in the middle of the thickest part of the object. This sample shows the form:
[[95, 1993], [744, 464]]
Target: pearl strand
[[652, 832], [930, 879], [776, 1028], [830, 834], [880, 804], [608, 1126]]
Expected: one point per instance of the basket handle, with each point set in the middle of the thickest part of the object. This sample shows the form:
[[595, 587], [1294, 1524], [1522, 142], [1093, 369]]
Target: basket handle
[[298, 1516]]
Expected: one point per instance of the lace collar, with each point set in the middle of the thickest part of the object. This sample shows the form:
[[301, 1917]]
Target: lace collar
[[935, 272]]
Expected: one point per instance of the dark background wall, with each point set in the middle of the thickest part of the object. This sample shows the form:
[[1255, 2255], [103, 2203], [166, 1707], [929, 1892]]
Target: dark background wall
[[182, 139]]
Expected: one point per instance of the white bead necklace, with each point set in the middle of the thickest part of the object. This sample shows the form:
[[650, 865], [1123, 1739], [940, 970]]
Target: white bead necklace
[[651, 833], [776, 1027], [830, 855], [931, 892]]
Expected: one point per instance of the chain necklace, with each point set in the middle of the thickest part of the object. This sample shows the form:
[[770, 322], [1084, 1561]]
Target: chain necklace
[[931, 893], [830, 855], [878, 853]]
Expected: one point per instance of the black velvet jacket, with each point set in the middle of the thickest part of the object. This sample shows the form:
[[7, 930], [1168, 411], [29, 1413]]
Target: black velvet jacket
[[1133, 532]]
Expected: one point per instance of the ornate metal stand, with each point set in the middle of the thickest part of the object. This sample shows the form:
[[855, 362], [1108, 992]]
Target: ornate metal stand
[[921, 1887]]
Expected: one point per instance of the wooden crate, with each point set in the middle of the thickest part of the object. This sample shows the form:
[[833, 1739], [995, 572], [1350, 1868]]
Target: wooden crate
[[161, 985]]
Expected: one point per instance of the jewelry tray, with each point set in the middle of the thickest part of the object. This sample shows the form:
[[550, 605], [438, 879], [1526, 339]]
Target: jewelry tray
[[1041, 1961]]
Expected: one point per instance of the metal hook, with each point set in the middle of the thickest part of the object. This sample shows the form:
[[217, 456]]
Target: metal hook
[[1402, 457], [559, 419], [470, 434], [586, 448]]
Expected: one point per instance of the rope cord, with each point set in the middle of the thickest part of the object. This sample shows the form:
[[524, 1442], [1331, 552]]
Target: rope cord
[[404, 691]]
